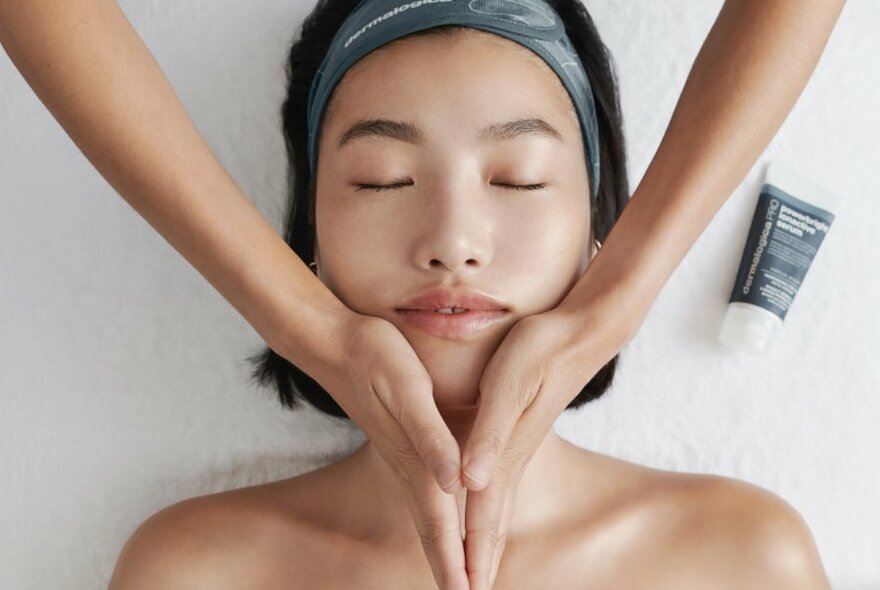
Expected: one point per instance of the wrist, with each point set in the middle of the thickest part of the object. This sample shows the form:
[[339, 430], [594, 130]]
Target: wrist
[[311, 335], [602, 313]]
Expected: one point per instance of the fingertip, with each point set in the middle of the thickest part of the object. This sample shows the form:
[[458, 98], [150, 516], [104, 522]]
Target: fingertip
[[453, 487], [473, 486], [477, 472], [448, 477]]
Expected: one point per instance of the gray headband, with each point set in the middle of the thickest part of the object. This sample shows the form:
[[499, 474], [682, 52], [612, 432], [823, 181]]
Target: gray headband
[[531, 23]]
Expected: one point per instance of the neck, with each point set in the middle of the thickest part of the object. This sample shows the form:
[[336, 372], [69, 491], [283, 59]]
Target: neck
[[538, 497]]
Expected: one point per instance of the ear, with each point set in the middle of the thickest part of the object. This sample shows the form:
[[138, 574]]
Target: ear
[[317, 258]]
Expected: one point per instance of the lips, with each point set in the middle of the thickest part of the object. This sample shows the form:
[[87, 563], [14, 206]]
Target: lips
[[461, 297], [481, 311]]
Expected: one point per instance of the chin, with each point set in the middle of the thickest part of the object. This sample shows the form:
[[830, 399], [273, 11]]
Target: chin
[[455, 366], [451, 400], [455, 369], [455, 387]]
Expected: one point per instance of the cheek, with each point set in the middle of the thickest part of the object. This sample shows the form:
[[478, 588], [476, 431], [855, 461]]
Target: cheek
[[356, 246], [546, 248]]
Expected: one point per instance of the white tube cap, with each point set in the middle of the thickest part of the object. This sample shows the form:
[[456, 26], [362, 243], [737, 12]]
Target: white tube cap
[[748, 328]]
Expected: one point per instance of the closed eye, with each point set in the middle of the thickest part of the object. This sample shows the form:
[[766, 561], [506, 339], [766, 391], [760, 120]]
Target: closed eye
[[381, 187], [385, 187], [523, 187]]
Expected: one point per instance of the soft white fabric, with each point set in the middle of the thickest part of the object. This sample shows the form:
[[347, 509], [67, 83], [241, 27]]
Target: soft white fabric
[[123, 385]]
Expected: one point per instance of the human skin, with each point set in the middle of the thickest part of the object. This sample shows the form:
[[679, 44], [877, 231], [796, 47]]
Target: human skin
[[580, 519], [750, 71], [456, 224], [754, 64]]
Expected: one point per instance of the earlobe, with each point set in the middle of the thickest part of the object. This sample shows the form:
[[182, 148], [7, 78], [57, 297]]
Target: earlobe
[[316, 261]]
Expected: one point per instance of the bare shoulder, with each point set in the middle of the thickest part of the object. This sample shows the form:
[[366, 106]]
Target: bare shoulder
[[730, 532], [168, 550], [217, 541], [662, 529]]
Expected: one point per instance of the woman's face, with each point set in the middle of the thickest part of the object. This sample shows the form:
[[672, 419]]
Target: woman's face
[[451, 219]]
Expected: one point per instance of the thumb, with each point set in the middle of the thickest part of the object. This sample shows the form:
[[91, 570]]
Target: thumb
[[490, 434]]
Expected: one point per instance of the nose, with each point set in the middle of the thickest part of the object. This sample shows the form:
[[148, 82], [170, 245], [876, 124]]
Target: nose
[[455, 235]]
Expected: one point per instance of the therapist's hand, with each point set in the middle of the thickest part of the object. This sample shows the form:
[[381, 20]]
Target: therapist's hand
[[385, 389], [541, 365]]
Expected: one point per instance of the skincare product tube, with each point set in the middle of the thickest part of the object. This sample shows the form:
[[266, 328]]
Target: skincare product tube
[[792, 217]]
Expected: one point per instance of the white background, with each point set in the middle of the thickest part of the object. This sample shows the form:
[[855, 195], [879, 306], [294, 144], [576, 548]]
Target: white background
[[123, 385]]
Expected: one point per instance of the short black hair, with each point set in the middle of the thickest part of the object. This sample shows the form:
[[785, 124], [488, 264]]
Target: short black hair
[[306, 54]]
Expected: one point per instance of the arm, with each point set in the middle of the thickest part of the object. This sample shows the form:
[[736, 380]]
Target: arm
[[88, 66], [750, 71], [90, 69], [752, 67]]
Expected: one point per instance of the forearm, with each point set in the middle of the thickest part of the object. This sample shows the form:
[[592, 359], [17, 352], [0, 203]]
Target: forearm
[[89, 67], [750, 71]]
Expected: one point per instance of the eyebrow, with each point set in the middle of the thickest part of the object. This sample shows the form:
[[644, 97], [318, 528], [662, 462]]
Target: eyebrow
[[410, 133]]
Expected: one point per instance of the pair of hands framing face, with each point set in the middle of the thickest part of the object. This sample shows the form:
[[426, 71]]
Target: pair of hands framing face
[[165, 170], [541, 364]]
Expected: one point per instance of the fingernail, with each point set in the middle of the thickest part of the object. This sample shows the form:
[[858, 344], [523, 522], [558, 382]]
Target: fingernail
[[478, 469], [448, 474]]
